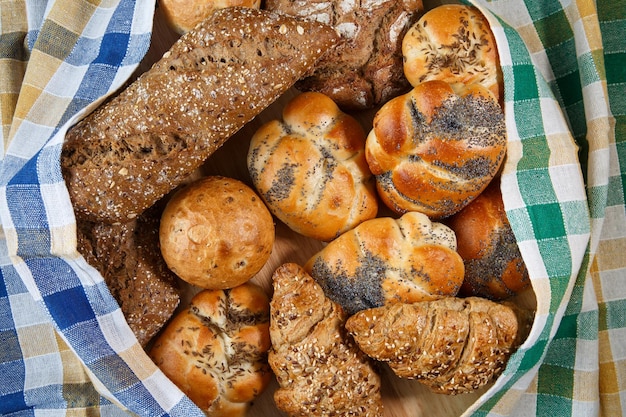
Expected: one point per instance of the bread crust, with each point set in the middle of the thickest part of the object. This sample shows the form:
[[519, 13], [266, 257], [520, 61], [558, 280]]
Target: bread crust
[[310, 168], [452, 345], [216, 233], [215, 351], [145, 141], [183, 15], [434, 149], [453, 43], [321, 372], [494, 267], [387, 260], [366, 68]]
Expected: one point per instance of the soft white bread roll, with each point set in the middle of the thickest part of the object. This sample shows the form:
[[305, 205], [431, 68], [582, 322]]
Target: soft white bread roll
[[452, 43], [184, 15], [494, 267], [215, 351], [310, 168], [386, 260], [320, 370], [216, 233], [436, 148], [452, 345]]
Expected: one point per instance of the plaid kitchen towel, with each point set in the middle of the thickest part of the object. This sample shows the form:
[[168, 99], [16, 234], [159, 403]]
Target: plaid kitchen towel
[[65, 348]]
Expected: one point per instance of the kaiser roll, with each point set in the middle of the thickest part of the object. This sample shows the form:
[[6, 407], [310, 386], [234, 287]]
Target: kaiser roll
[[434, 149]]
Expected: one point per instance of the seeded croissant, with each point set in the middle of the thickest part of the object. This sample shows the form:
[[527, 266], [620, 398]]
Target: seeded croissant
[[320, 370], [452, 345]]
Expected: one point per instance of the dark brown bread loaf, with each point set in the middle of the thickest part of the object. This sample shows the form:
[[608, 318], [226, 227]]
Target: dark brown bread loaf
[[366, 68], [140, 145], [128, 257]]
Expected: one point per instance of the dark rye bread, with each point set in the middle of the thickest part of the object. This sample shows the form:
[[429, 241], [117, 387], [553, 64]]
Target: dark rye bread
[[141, 144], [128, 257]]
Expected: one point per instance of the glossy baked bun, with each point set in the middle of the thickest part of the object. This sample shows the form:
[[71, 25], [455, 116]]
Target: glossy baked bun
[[452, 43], [494, 267], [310, 168], [184, 15], [216, 350], [387, 260], [434, 149], [216, 233], [365, 69]]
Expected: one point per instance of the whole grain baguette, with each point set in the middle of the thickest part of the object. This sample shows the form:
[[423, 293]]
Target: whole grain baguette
[[145, 141]]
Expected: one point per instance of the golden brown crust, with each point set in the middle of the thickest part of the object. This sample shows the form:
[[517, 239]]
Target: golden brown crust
[[183, 15], [310, 168], [434, 149], [216, 233], [386, 260], [148, 139], [321, 372], [494, 267], [216, 350], [366, 68], [452, 345], [453, 43]]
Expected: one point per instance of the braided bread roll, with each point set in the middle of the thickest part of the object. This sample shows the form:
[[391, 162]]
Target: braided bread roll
[[436, 148], [310, 168], [386, 260], [452, 43], [215, 351], [452, 345]]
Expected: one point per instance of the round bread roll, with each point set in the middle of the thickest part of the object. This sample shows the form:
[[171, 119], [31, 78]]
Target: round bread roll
[[310, 168], [216, 233], [452, 43], [184, 15], [434, 149], [366, 68], [494, 267], [216, 350], [387, 260]]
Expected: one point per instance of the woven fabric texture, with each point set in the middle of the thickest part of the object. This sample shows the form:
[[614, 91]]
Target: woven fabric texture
[[65, 348]]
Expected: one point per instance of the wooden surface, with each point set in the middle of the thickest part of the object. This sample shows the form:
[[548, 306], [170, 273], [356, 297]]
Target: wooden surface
[[402, 398]]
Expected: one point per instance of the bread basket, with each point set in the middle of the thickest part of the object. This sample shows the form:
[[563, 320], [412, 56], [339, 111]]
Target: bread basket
[[66, 347]]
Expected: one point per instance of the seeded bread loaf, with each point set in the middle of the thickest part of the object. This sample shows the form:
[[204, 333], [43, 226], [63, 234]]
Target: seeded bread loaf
[[144, 142], [128, 257]]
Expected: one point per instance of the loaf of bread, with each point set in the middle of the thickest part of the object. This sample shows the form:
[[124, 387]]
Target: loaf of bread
[[183, 15], [366, 68], [452, 345], [144, 142], [434, 149], [387, 260], [310, 168], [453, 43], [494, 267], [128, 257], [321, 372], [215, 351], [216, 233]]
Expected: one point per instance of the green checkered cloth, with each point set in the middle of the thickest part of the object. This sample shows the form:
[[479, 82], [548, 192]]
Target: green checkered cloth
[[564, 68]]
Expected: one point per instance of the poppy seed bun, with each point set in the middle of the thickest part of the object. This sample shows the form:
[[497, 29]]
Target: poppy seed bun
[[216, 233]]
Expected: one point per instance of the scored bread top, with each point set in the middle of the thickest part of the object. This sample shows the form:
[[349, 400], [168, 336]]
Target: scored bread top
[[141, 144]]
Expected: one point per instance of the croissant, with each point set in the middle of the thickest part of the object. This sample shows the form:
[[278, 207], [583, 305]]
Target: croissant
[[452, 345], [320, 370]]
